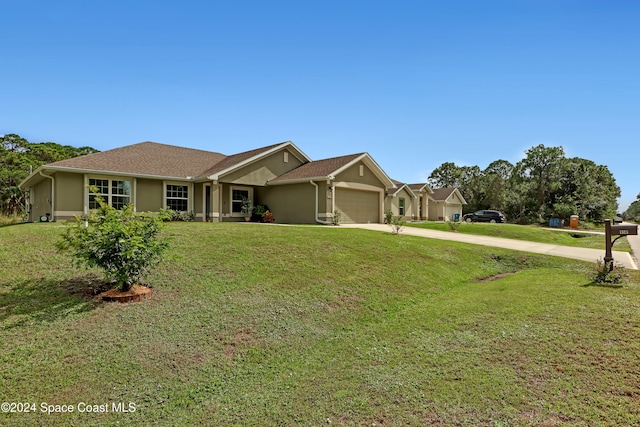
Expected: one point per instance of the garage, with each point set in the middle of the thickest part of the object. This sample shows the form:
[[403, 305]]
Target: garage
[[358, 206]]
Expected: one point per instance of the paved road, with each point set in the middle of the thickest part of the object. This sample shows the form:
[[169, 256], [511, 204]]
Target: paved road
[[634, 242], [584, 254]]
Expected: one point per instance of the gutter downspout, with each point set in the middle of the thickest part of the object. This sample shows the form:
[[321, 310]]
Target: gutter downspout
[[318, 220], [53, 194]]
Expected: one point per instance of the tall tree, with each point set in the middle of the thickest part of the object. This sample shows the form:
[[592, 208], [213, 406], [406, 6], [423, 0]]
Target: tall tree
[[542, 169], [18, 157], [496, 177], [445, 175]]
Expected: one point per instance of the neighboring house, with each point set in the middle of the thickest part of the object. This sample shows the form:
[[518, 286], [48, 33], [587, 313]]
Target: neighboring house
[[445, 204], [421, 207], [153, 176], [402, 201]]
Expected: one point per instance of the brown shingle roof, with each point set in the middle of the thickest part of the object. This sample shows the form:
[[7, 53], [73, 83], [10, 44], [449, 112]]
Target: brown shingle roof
[[319, 168], [442, 193], [147, 158], [416, 187]]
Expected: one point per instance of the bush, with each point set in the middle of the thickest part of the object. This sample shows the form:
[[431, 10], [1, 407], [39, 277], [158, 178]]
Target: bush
[[123, 243], [453, 226], [603, 273], [337, 216], [396, 224], [388, 217], [268, 217], [171, 215]]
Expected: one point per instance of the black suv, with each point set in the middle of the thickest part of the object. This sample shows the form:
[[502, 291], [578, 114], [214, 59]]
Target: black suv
[[485, 216]]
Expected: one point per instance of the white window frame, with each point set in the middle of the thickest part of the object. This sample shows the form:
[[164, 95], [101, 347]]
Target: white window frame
[[165, 198], [402, 206], [240, 188], [109, 195]]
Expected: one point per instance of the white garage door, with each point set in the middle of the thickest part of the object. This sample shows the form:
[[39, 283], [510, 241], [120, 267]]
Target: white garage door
[[358, 206]]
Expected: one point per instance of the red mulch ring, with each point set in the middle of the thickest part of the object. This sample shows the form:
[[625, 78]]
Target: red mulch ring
[[137, 293]]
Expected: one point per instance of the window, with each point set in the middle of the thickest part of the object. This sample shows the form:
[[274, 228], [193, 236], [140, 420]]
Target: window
[[401, 206], [361, 170], [286, 157], [116, 193], [178, 197], [237, 196]]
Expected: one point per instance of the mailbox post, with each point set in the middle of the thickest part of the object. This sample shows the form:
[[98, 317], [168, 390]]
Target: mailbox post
[[615, 230]]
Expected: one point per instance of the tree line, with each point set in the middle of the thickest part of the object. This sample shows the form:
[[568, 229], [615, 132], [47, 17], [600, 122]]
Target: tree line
[[543, 185], [633, 211], [18, 158]]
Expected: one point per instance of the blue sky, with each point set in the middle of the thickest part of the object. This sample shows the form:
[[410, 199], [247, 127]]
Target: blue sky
[[414, 83]]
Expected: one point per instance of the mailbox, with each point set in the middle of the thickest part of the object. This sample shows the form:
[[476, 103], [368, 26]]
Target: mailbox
[[615, 230], [624, 230]]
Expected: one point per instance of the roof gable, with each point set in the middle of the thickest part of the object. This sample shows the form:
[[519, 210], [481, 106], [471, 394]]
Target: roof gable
[[399, 186], [420, 187], [444, 194], [233, 162]]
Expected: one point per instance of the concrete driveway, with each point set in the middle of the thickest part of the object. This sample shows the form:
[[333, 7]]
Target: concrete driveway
[[584, 254]]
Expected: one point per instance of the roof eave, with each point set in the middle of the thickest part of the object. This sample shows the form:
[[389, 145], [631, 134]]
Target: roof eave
[[46, 168], [299, 180]]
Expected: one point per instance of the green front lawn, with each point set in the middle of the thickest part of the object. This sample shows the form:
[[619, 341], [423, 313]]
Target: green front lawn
[[267, 325], [529, 233]]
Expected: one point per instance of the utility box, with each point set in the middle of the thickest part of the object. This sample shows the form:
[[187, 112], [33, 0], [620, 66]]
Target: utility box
[[573, 221]]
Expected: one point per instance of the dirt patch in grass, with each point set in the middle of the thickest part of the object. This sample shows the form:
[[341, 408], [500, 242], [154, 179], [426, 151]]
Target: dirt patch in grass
[[494, 277], [136, 294]]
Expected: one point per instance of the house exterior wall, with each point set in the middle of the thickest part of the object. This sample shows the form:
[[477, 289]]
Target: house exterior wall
[[149, 195], [294, 203], [40, 200], [198, 199], [263, 170], [393, 203], [352, 179], [69, 195]]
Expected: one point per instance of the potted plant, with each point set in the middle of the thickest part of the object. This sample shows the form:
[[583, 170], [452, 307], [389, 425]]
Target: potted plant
[[247, 208]]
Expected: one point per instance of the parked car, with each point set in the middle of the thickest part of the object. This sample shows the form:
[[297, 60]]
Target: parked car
[[485, 216]]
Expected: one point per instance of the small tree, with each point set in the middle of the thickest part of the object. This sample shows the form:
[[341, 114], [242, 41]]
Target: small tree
[[396, 224], [337, 217], [123, 243]]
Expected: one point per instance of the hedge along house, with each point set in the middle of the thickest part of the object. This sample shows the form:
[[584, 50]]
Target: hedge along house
[[445, 204], [421, 207], [153, 176], [401, 201]]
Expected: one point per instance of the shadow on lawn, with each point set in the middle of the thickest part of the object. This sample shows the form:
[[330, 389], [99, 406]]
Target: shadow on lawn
[[36, 301]]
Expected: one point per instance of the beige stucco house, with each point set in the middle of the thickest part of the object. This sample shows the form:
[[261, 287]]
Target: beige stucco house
[[445, 204], [402, 201], [421, 206], [153, 176]]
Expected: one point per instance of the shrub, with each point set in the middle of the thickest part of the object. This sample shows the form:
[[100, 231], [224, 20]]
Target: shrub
[[453, 226], [388, 217], [337, 217], [396, 224], [604, 273], [123, 243], [268, 217]]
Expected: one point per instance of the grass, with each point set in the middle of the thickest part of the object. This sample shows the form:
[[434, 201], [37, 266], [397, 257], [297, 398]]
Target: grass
[[529, 233], [266, 325]]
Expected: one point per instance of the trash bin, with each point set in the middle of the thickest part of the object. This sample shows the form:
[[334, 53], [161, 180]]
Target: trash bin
[[555, 222], [573, 223], [456, 217]]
